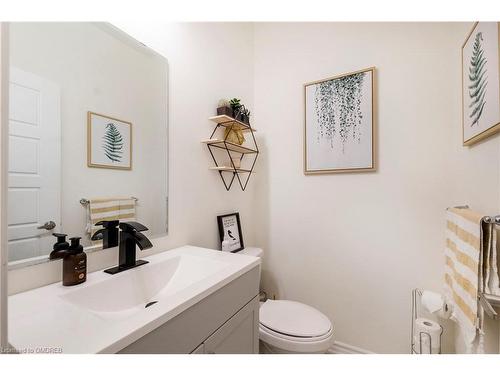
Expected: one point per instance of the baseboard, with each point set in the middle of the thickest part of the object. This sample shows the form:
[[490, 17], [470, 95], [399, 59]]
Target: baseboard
[[342, 348]]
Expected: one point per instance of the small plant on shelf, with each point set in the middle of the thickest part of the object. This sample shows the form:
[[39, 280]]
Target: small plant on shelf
[[235, 104], [245, 115], [223, 103], [224, 108], [235, 109]]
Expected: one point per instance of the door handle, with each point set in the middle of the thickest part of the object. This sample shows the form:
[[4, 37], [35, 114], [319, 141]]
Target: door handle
[[49, 225]]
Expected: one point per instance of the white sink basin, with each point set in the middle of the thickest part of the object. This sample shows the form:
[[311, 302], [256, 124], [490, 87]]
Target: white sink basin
[[108, 312], [129, 291]]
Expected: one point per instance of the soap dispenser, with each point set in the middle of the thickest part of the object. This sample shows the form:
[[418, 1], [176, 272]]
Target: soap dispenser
[[60, 247], [74, 264]]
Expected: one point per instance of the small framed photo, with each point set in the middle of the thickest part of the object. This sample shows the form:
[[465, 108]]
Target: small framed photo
[[109, 142], [230, 230]]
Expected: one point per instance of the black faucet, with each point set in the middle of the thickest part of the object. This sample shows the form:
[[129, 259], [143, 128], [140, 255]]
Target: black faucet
[[130, 236], [108, 234]]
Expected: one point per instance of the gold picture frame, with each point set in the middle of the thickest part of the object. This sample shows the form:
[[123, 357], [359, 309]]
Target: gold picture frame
[[119, 156], [372, 167], [489, 130]]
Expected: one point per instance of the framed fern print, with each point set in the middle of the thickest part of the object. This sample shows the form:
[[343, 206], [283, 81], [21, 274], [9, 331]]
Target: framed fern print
[[481, 82], [339, 130], [109, 142]]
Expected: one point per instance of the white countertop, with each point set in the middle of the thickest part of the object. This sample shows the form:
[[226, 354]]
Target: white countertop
[[43, 317]]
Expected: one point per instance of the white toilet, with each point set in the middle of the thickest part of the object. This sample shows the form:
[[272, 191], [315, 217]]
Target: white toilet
[[291, 327]]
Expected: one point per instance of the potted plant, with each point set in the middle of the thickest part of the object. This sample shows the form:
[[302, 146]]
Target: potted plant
[[236, 106], [224, 108], [245, 115], [233, 108]]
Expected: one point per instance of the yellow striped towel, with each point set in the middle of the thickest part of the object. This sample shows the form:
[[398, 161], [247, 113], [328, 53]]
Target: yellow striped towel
[[122, 209], [490, 259], [462, 271]]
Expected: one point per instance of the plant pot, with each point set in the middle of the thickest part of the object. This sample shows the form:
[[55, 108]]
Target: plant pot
[[237, 114], [228, 111], [234, 136], [245, 119]]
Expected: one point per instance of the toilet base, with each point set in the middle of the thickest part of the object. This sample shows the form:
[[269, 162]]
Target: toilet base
[[265, 348]]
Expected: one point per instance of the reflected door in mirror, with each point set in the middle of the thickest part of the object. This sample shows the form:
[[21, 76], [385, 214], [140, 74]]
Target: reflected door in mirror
[[34, 164]]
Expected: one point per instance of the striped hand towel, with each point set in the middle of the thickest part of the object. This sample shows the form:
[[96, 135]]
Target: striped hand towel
[[463, 270], [490, 259], [122, 209]]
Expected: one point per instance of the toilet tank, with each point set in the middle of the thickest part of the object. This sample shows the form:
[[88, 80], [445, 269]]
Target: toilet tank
[[252, 251]]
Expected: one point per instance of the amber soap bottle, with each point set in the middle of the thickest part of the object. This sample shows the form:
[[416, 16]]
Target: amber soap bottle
[[74, 264]]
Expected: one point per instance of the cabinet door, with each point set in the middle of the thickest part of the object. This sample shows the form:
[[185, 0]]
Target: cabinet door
[[239, 335]]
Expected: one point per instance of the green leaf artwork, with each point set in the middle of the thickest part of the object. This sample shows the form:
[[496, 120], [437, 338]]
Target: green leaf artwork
[[338, 108], [112, 143], [477, 80]]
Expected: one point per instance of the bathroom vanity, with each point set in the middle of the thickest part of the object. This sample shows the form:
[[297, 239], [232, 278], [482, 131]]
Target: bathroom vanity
[[185, 300]]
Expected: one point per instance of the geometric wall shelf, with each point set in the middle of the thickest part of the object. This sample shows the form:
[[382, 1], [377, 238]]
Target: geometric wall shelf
[[232, 161]]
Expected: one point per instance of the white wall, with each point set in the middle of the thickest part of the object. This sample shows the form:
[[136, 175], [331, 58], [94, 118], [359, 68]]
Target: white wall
[[206, 62], [98, 72], [354, 245]]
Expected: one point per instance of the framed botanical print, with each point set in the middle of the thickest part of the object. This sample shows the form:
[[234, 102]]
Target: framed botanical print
[[109, 142], [339, 124], [230, 232], [481, 82]]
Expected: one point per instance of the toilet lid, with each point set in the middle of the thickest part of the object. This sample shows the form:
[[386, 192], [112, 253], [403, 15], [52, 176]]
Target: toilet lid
[[293, 318]]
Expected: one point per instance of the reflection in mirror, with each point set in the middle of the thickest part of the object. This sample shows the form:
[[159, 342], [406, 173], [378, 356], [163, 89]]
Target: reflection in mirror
[[87, 135]]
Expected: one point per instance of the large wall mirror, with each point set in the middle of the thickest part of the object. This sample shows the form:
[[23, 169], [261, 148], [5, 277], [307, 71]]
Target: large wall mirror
[[87, 135]]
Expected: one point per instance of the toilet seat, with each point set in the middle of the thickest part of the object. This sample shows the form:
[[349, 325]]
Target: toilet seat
[[295, 327]]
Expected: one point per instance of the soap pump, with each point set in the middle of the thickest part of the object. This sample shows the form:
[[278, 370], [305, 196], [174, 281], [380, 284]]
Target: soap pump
[[74, 264], [61, 247]]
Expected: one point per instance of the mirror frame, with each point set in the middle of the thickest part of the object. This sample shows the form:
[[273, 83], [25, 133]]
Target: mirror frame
[[4, 133]]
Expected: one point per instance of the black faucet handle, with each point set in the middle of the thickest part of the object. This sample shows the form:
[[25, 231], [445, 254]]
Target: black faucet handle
[[108, 224], [98, 235], [132, 226]]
